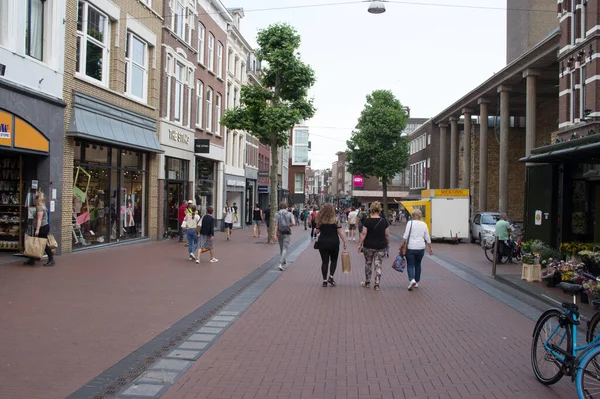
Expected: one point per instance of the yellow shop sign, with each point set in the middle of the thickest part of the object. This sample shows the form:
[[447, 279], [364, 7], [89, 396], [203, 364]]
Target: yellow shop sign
[[18, 134], [445, 193]]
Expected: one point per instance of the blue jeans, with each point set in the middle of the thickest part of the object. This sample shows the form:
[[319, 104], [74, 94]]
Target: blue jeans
[[192, 240], [413, 263], [180, 232]]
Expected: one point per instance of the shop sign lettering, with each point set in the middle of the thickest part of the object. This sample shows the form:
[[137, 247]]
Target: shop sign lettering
[[236, 183], [4, 131], [178, 137], [451, 193]]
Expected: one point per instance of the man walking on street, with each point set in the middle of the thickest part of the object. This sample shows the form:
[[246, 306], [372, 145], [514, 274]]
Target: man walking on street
[[228, 219], [283, 222], [305, 215], [352, 218], [503, 233]]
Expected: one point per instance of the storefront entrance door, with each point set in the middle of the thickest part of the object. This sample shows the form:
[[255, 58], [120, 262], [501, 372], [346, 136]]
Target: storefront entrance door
[[249, 203], [175, 196]]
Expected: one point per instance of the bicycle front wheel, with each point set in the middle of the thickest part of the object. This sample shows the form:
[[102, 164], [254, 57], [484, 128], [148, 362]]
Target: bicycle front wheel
[[548, 332], [588, 375]]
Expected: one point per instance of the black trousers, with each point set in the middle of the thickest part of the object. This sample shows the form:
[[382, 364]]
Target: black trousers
[[329, 255], [313, 226]]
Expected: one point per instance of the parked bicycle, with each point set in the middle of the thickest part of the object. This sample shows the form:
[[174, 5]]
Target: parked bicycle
[[554, 350], [515, 243]]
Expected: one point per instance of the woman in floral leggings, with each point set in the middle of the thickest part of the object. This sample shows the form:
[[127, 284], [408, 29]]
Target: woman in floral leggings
[[374, 240]]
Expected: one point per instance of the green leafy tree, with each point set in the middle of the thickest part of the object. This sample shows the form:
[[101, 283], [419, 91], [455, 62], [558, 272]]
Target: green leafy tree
[[377, 148], [270, 110]]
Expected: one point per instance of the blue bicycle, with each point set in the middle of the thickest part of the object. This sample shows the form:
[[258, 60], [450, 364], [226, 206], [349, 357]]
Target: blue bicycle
[[554, 351]]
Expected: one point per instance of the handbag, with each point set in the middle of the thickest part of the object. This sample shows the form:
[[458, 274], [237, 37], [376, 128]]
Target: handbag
[[52, 242], [404, 246], [316, 246], [345, 262], [34, 247], [399, 263]]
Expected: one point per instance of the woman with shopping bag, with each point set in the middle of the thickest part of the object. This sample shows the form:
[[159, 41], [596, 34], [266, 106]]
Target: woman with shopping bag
[[329, 232], [36, 245], [415, 240], [374, 240]]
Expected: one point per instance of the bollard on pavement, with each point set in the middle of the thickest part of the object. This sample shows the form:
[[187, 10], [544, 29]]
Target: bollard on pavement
[[495, 257]]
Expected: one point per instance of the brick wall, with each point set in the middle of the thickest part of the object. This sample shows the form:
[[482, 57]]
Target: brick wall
[[113, 94]]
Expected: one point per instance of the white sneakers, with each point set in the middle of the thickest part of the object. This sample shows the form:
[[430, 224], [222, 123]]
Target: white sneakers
[[412, 284], [192, 257], [214, 260], [281, 268]]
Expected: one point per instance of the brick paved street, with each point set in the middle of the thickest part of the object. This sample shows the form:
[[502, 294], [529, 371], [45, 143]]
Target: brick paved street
[[448, 339], [64, 325]]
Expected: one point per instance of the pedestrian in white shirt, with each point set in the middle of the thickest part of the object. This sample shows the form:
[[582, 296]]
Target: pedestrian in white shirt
[[228, 219], [352, 219], [416, 239]]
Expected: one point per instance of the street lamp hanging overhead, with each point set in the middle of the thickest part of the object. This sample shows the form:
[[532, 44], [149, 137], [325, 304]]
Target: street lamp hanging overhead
[[376, 7]]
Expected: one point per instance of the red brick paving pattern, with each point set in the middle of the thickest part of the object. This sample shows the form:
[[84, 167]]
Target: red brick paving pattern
[[447, 339], [62, 326]]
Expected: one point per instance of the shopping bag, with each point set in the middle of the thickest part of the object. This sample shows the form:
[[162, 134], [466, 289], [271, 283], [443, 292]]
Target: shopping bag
[[345, 262], [52, 242], [34, 247], [399, 263]]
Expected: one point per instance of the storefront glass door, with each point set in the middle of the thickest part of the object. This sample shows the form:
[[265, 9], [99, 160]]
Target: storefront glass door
[[175, 196]]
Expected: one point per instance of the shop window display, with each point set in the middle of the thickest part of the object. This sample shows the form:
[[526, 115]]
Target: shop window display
[[205, 183], [11, 217], [108, 195]]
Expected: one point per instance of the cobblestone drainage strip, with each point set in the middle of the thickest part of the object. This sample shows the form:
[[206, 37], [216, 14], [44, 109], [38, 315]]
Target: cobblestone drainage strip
[[148, 372]]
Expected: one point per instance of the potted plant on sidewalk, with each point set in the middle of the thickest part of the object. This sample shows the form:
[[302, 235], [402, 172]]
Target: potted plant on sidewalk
[[570, 250], [550, 273]]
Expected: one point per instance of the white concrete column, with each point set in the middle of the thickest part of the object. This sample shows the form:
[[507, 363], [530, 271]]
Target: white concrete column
[[530, 109], [443, 149], [453, 152], [466, 177], [503, 164], [483, 153]]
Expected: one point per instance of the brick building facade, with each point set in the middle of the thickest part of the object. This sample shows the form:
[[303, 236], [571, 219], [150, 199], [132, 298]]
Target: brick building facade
[[111, 87]]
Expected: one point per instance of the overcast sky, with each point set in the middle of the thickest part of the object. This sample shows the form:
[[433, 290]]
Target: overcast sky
[[428, 55]]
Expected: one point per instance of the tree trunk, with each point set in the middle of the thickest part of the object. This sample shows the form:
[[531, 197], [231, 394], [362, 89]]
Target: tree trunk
[[273, 190], [385, 200]]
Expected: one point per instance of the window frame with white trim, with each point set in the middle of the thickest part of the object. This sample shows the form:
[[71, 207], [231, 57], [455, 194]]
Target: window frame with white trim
[[132, 65], [199, 103], [84, 39], [218, 111], [180, 74], [201, 44], [209, 109], [211, 52]]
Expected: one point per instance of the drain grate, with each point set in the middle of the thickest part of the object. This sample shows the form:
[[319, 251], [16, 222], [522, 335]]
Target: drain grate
[[113, 380]]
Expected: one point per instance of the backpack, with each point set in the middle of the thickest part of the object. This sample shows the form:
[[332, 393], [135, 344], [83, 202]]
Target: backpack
[[284, 228]]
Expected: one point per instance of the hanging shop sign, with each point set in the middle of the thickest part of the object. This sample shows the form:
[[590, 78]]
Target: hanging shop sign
[[18, 134], [201, 146]]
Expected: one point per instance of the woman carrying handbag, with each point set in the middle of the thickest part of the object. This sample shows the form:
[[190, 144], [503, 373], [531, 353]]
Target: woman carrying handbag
[[416, 238]]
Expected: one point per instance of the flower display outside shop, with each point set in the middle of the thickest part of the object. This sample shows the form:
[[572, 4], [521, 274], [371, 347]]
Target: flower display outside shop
[[591, 288], [590, 256], [529, 259], [573, 248], [568, 271]]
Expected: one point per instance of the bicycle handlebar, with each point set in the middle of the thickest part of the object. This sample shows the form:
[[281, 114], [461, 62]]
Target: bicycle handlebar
[[588, 275]]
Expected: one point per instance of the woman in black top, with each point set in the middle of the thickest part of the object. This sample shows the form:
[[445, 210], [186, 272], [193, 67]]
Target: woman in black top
[[374, 240], [257, 219], [329, 232], [207, 236]]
